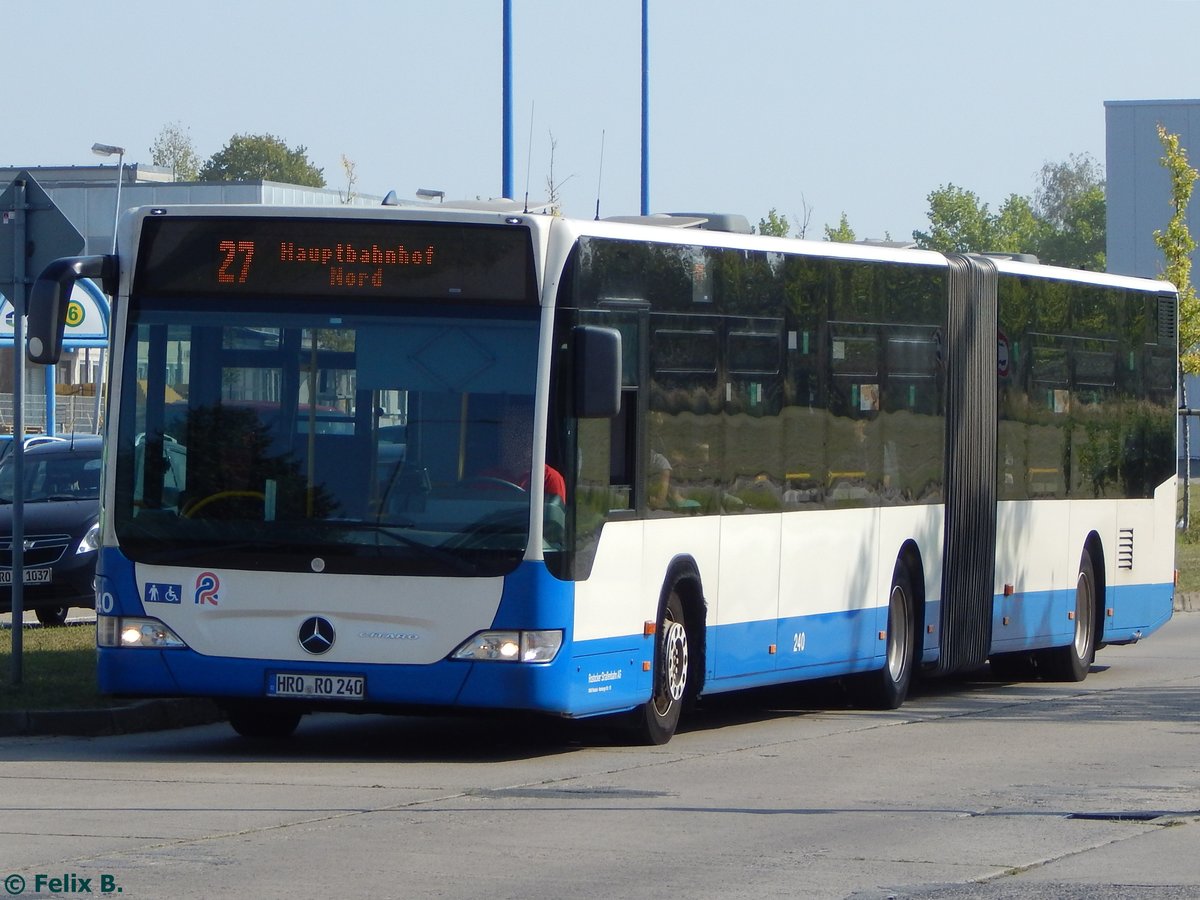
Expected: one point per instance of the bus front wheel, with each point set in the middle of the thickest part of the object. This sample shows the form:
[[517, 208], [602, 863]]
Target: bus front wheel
[[262, 720], [655, 722]]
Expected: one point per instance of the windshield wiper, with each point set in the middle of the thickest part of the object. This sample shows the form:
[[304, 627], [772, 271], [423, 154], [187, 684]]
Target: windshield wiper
[[392, 530]]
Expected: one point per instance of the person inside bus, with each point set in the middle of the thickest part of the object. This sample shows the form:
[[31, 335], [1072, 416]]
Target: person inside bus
[[515, 453], [659, 492]]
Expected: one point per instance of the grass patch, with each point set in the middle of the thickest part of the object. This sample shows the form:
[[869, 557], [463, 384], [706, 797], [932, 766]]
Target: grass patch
[[58, 669], [1187, 543], [1187, 559]]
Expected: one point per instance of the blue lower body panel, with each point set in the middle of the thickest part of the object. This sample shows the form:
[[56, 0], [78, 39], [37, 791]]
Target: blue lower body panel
[[1037, 620], [447, 684]]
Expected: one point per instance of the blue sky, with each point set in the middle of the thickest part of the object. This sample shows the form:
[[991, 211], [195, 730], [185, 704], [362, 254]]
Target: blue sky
[[855, 106]]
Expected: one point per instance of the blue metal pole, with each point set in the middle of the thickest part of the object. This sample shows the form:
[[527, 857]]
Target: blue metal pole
[[507, 138], [51, 397], [645, 110]]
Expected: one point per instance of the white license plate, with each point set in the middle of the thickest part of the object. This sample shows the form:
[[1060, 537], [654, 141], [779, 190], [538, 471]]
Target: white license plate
[[32, 576], [303, 684]]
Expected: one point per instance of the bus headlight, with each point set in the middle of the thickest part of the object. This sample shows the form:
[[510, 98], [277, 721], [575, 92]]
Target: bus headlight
[[512, 646], [118, 631]]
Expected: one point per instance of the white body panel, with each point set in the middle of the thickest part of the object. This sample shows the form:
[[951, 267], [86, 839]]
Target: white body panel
[[756, 567], [257, 615]]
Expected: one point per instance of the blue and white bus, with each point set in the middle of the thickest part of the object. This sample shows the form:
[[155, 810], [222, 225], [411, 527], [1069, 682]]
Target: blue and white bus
[[415, 459]]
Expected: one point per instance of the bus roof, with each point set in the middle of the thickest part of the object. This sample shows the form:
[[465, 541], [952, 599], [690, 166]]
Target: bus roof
[[669, 229]]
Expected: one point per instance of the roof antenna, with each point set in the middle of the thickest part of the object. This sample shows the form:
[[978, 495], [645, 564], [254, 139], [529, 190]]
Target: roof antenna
[[600, 177], [529, 157]]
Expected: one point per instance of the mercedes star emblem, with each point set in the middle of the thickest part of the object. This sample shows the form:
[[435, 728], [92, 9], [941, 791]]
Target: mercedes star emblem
[[316, 635]]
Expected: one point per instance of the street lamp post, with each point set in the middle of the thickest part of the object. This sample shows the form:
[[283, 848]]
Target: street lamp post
[[119, 152]]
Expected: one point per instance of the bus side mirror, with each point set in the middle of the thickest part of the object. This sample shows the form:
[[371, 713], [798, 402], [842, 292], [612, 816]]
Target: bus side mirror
[[597, 371], [50, 297]]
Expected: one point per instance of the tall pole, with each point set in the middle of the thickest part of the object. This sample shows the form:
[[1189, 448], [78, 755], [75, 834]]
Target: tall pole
[[117, 203], [103, 356], [108, 150], [18, 498], [506, 189], [645, 109]]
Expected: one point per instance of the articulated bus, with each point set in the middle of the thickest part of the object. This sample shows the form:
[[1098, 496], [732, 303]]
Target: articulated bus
[[458, 459]]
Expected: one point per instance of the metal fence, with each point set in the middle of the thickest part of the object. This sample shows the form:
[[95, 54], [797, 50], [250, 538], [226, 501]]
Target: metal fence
[[72, 412]]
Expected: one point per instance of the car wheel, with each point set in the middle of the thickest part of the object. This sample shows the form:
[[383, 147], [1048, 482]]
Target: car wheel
[[52, 615]]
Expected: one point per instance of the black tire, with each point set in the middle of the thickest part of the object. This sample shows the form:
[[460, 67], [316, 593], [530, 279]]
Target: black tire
[[887, 687], [1074, 661], [655, 722], [262, 720], [52, 615]]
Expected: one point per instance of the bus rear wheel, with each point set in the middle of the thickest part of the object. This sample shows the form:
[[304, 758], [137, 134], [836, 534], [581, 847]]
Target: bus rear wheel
[[655, 721], [887, 688], [1074, 661]]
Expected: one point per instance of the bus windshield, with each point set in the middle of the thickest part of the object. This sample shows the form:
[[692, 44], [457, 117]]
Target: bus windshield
[[378, 440]]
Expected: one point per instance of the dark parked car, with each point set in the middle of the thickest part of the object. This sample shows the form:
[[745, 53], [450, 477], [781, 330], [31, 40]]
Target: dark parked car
[[61, 519]]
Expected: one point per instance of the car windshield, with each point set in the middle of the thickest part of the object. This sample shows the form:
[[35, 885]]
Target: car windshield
[[62, 475]]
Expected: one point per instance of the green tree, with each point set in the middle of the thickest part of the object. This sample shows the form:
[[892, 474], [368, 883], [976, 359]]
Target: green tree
[[1070, 203], [254, 157], [173, 149], [843, 233], [1177, 244], [350, 168], [1063, 223], [1017, 227], [774, 225], [959, 222], [1062, 186]]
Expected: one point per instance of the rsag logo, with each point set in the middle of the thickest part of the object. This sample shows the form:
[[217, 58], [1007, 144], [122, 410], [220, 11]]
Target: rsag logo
[[207, 587]]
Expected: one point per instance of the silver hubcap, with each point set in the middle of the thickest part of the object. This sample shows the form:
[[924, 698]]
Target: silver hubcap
[[899, 639], [675, 666], [1083, 614], [676, 660]]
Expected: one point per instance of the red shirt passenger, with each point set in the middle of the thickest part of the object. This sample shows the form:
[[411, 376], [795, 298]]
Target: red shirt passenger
[[516, 451]]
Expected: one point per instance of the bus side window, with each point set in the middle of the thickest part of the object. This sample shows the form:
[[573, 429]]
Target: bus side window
[[622, 453]]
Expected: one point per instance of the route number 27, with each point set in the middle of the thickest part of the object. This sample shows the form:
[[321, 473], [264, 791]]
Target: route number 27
[[229, 271]]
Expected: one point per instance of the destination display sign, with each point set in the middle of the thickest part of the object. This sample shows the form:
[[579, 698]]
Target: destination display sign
[[335, 256]]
